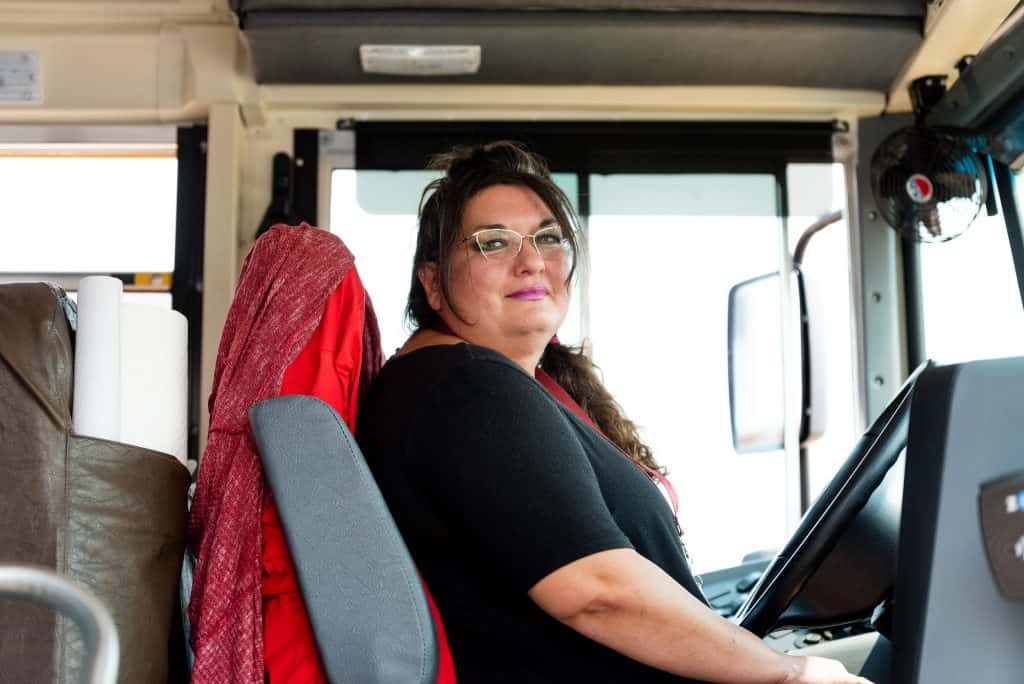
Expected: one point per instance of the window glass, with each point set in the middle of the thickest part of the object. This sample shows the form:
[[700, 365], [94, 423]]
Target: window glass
[[376, 219], [972, 306], [664, 252], [88, 214]]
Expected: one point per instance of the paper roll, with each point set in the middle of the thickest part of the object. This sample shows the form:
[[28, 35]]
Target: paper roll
[[96, 411], [154, 379]]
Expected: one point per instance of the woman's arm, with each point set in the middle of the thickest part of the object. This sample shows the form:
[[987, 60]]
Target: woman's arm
[[620, 599]]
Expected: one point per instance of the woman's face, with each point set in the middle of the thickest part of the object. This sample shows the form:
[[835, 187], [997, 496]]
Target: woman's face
[[513, 304]]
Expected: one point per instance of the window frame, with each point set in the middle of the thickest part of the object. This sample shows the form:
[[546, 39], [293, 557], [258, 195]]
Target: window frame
[[188, 145]]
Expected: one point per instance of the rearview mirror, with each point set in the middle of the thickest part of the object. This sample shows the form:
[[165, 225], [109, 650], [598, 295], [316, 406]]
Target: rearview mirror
[[757, 402]]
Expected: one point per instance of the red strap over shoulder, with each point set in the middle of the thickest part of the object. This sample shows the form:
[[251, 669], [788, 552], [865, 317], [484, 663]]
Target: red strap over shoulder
[[566, 400]]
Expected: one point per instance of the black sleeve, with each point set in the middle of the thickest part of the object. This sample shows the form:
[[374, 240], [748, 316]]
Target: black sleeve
[[504, 467]]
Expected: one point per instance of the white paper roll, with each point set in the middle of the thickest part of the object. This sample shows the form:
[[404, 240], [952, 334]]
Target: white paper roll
[[96, 411], [154, 379]]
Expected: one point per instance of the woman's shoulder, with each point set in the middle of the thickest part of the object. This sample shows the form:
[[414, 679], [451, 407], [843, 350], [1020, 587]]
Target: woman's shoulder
[[450, 357]]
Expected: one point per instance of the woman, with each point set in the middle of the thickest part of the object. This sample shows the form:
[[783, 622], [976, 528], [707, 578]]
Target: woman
[[551, 555]]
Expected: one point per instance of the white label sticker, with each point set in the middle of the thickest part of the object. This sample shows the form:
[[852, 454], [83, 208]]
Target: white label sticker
[[20, 80]]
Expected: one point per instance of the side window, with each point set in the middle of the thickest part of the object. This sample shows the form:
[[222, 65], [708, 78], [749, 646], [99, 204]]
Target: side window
[[972, 306], [665, 250], [374, 213], [80, 210]]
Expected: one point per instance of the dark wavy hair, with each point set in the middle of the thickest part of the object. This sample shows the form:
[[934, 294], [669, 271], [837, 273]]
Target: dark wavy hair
[[467, 171]]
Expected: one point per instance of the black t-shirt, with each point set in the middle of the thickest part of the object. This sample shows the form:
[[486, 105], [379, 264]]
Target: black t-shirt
[[494, 485]]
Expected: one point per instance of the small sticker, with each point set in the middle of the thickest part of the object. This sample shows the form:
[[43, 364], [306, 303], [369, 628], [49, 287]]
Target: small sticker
[[920, 188], [1012, 505], [20, 80]]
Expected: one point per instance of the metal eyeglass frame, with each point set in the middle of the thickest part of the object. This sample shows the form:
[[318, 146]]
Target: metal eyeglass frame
[[547, 256]]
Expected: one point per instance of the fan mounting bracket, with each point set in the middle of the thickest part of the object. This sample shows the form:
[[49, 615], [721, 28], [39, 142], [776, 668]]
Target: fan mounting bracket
[[925, 93]]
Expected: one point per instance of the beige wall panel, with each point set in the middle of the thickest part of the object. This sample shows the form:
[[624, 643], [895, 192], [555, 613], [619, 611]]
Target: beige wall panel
[[143, 72], [303, 104], [115, 70], [63, 9], [226, 156], [954, 29]]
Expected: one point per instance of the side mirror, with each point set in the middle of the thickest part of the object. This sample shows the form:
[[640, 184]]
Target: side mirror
[[757, 380]]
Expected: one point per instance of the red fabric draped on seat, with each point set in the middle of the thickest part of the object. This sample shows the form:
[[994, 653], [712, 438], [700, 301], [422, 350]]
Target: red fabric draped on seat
[[285, 282], [300, 323]]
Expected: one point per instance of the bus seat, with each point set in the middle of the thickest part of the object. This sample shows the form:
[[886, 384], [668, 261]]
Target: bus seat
[[952, 621], [369, 614]]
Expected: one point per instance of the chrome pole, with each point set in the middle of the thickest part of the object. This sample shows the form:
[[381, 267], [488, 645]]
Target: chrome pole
[[99, 635]]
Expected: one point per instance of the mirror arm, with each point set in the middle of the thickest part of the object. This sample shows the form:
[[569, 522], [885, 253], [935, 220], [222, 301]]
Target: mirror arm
[[820, 224]]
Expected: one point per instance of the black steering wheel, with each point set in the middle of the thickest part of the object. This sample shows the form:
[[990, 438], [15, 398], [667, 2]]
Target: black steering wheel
[[823, 524]]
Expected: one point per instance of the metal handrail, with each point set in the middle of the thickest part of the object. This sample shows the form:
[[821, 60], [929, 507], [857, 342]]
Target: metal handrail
[[44, 586], [823, 221]]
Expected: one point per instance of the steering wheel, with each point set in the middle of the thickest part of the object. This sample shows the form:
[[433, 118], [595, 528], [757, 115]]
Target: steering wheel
[[823, 524]]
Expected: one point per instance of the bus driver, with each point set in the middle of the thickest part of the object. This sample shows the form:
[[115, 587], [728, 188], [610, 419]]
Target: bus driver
[[551, 555]]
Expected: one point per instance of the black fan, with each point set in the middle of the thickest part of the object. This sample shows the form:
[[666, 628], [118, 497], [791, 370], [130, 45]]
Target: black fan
[[929, 186]]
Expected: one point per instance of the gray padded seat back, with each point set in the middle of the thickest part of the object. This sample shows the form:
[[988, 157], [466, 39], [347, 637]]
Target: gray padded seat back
[[364, 598], [952, 624]]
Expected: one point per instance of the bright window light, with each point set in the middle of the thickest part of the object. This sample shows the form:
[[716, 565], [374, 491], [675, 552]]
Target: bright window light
[[66, 213]]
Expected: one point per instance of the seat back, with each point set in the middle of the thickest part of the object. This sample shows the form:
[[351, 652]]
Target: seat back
[[953, 622], [362, 593]]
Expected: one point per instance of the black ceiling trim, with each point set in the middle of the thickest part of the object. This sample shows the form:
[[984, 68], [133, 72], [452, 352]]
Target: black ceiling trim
[[596, 147], [870, 8]]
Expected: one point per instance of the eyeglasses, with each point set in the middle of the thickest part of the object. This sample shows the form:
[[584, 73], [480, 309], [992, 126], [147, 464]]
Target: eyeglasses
[[502, 243]]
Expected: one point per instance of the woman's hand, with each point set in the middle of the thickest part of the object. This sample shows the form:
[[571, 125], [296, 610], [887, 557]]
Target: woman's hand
[[815, 670]]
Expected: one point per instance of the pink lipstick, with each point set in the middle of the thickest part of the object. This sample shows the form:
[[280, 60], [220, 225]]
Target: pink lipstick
[[530, 293]]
